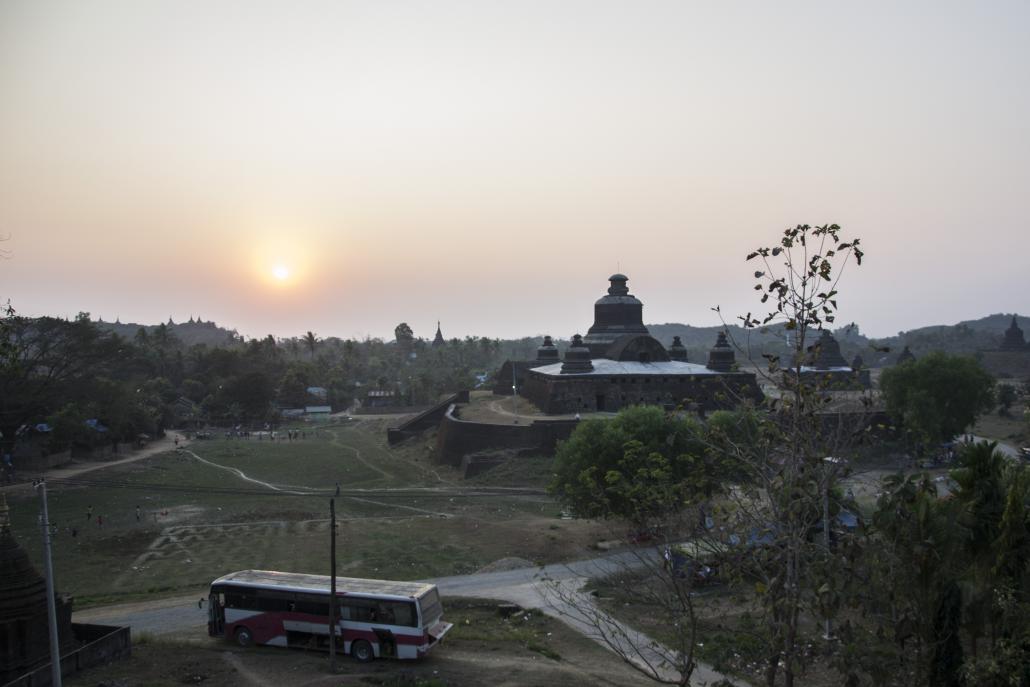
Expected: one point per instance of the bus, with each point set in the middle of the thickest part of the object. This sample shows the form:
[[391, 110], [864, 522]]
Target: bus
[[376, 618]]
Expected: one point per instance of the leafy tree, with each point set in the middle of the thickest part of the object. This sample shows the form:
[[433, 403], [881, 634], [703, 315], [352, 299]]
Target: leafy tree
[[937, 396], [651, 469], [788, 490], [44, 363], [404, 337], [640, 466]]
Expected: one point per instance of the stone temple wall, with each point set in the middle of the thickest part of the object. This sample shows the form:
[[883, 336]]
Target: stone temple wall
[[589, 393], [456, 438], [1007, 364]]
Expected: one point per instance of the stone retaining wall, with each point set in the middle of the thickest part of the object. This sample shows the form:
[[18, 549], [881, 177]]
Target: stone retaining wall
[[101, 644], [427, 419], [458, 440]]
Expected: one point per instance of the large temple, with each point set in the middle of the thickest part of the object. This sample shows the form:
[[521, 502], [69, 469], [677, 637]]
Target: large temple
[[618, 363], [1011, 359], [825, 367]]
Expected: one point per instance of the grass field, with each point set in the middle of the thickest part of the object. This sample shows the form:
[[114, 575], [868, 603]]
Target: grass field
[[200, 519]]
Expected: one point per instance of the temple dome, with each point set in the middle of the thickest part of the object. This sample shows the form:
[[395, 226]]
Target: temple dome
[[548, 352], [827, 352], [721, 357], [577, 358], [615, 314], [677, 351]]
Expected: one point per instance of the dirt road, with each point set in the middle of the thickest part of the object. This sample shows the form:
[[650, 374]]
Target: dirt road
[[79, 468]]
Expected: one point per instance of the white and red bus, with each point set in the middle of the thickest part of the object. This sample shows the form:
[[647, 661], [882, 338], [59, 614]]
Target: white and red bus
[[377, 618]]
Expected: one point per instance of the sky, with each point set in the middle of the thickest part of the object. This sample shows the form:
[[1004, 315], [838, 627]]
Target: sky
[[341, 167]]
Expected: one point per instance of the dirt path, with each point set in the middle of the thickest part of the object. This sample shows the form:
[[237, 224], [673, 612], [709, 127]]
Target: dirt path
[[153, 448], [284, 488], [304, 491], [357, 454], [242, 670]]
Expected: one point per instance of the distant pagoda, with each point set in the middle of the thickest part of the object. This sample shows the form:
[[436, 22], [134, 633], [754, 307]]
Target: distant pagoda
[[1014, 339]]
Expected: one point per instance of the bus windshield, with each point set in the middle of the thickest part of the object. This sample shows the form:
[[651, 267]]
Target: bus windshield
[[431, 609]]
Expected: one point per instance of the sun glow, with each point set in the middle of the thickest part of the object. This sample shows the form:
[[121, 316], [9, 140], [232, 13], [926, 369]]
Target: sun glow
[[281, 272]]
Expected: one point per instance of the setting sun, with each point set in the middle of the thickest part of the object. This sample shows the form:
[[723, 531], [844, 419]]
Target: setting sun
[[281, 272]]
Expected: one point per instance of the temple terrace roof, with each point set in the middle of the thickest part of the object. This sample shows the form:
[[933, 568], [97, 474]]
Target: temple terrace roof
[[603, 367]]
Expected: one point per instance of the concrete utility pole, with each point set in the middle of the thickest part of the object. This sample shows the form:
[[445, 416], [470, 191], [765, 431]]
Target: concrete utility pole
[[514, 393], [51, 601], [332, 585]]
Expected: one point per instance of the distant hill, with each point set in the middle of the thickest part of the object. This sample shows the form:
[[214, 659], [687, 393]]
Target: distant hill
[[189, 333], [964, 338]]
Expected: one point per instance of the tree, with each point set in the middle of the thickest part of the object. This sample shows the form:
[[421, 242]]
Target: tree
[[938, 396], [44, 362], [981, 481], [404, 337], [310, 340], [790, 481], [652, 470], [640, 466]]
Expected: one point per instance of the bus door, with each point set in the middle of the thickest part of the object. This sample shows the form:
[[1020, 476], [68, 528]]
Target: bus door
[[216, 614], [387, 642]]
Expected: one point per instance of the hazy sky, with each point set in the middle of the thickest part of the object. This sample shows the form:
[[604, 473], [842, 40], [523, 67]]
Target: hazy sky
[[489, 164]]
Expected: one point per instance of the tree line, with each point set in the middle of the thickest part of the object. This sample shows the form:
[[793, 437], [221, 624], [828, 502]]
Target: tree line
[[85, 384]]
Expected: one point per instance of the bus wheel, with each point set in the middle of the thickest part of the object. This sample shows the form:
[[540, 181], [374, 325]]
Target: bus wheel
[[362, 651], [244, 637]]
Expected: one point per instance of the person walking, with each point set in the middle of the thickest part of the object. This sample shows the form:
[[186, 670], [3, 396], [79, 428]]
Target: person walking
[[138, 514], [100, 521], [89, 513], [337, 488]]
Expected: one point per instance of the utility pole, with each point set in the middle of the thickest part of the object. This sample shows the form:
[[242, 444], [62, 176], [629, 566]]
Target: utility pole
[[51, 601], [514, 393], [332, 585]]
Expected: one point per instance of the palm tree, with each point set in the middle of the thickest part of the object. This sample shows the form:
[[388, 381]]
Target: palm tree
[[981, 478], [310, 340]]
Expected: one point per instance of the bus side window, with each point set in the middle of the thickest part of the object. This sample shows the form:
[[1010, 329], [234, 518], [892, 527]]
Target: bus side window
[[313, 604], [359, 610], [397, 613]]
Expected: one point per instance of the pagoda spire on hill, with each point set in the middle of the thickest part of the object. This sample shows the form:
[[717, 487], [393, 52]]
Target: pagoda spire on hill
[[438, 340]]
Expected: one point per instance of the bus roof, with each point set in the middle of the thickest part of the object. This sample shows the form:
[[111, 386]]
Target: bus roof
[[299, 582]]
